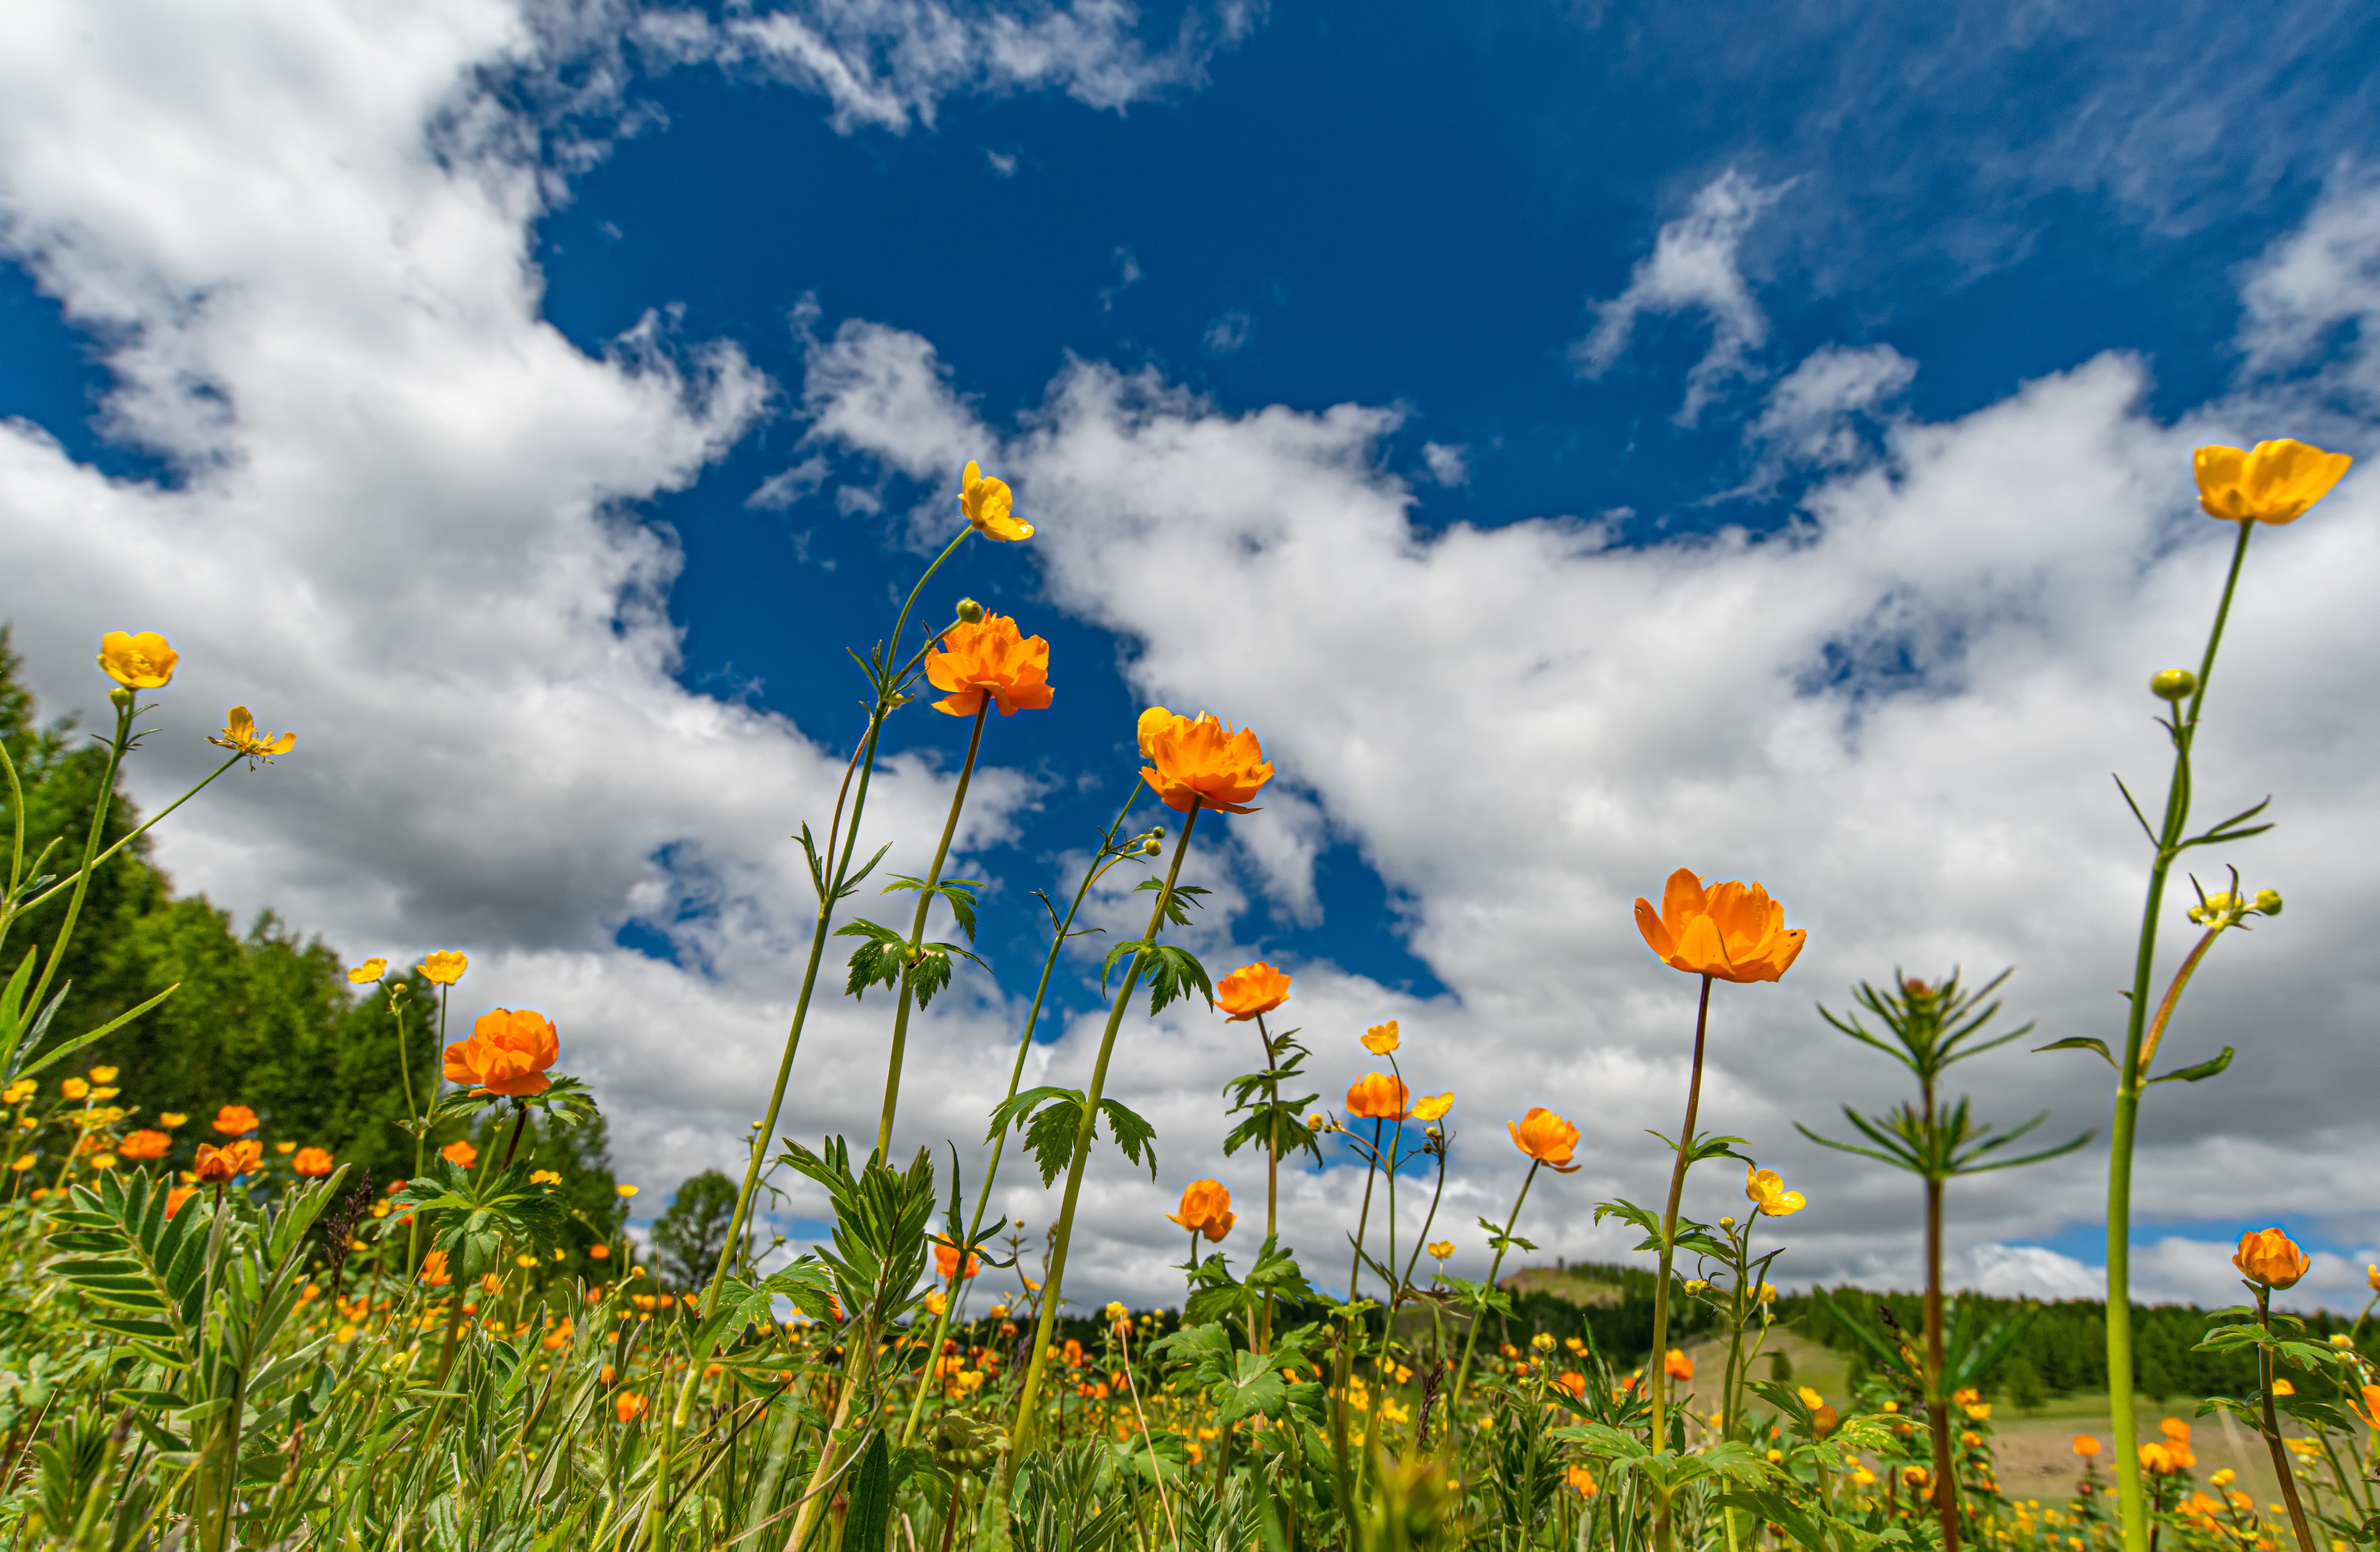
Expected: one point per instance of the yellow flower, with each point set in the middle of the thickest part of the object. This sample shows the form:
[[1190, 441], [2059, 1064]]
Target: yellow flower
[[104, 1074], [1766, 1190], [989, 506], [1441, 1249], [171, 1119], [24, 1088], [2272, 482], [74, 1088], [444, 967], [367, 971], [1433, 1106], [140, 660], [626, 1190], [239, 735], [545, 1177], [1381, 1038], [1811, 1398], [1981, 1411]]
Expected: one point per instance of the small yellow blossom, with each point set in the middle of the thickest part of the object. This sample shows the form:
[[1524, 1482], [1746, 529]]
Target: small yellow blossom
[[990, 507], [239, 735], [141, 661], [367, 971], [1381, 1038], [444, 967]]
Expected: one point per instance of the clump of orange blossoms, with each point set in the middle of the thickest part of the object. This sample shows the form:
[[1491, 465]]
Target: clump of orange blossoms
[[1732, 932], [1377, 1097], [508, 1053], [991, 657], [221, 1166], [1201, 760]]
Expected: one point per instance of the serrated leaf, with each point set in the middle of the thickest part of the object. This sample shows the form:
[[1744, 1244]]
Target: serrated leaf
[[1177, 902], [1132, 1134], [1174, 972]]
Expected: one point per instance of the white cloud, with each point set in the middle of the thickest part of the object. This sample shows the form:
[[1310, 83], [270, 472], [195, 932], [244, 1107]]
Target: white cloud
[[1128, 274], [1449, 466], [1811, 419], [787, 486], [1694, 265], [2313, 299], [1004, 164], [889, 64], [1898, 712], [1229, 332]]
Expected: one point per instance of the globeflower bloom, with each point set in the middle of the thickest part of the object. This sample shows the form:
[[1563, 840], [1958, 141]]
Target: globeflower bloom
[[1766, 1191], [2268, 1258], [221, 1166], [1730, 932], [239, 735], [1251, 989], [145, 1144], [233, 1120], [1205, 762], [1381, 1038], [1676, 1366], [1377, 1097], [946, 1261], [1206, 1210], [2271, 482], [1546, 1137], [460, 1153], [991, 657], [141, 661], [508, 1053], [990, 506], [444, 967], [313, 1162], [433, 1269]]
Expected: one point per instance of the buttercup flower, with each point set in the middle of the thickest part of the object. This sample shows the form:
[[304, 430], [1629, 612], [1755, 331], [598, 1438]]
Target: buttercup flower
[[313, 1162], [444, 967], [1251, 989], [946, 1261], [1432, 1107], [239, 735], [1440, 1249], [990, 506], [1377, 1096], [1381, 1038], [2267, 1256], [1206, 1210], [220, 1166], [1676, 1366], [1732, 932], [145, 1144], [2272, 482], [1546, 1137], [171, 1119], [137, 661], [367, 971], [991, 657], [233, 1120], [74, 1088], [1766, 1190], [508, 1053], [102, 1074], [460, 1153], [1204, 761]]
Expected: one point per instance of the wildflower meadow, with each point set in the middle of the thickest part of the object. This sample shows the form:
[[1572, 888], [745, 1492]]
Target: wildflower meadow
[[219, 1335]]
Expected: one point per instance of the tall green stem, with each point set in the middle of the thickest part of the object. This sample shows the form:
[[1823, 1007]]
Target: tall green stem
[[1029, 1402], [1656, 1375], [2273, 1427], [101, 803], [917, 932], [1937, 1405], [2124, 1423], [1479, 1315]]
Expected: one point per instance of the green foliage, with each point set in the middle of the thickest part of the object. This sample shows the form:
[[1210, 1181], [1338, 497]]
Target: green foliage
[[1052, 1119]]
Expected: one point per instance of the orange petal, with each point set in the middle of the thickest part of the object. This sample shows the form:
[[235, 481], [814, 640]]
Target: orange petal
[[1681, 901], [1701, 948], [1656, 936]]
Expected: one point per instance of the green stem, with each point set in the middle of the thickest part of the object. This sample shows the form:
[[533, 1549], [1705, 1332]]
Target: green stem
[[1656, 1368], [1030, 1398], [1937, 1405], [1106, 857], [101, 805], [91, 863], [917, 932], [1479, 1315], [2124, 1423], [2273, 1427]]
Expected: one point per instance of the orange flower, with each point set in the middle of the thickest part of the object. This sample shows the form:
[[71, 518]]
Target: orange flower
[[460, 1153], [1206, 1210], [1251, 989], [2370, 1410], [2086, 1446], [628, 1406], [2175, 1430], [598, 1251], [176, 1197], [1676, 1366], [137, 661], [1381, 1038], [220, 1166], [2267, 1256], [990, 658], [1377, 1097], [233, 1120], [946, 1261], [1730, 932], [313, 1162], [1203, 761], [2157, 1459], [1157, 720], [1546, 1137], [1574, 1382], [508, 1053], [434, 1272], [1578, 1478], [2272, 482], [145, 1145]]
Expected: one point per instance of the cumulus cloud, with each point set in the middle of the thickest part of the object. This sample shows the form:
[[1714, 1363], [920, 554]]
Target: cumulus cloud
[[1812, 418], [890, 64], [1900, 714], [2320, 282], [1448, 465], [1694, 267], [1229, 332]]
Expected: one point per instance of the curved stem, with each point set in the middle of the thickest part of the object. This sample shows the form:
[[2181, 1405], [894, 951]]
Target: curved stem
[[1479, 1315], [91, 863], [917, 932], [1656, 1368], [1030, 1398], [1363, 1218]]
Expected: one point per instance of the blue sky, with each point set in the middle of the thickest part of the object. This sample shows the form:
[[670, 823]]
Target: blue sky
[[1544, 320]]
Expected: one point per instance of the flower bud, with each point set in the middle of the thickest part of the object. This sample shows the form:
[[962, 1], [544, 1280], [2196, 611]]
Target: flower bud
[[2174, 684], [972, 612], [1727, 1222], [2268, 902], [1152, 847], [119, 698]]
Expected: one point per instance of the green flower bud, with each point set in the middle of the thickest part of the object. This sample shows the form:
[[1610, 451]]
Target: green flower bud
[[2174, 684], [2268, 901], [119, 698], [1727, 1222], [970, 611], [1152, 847]]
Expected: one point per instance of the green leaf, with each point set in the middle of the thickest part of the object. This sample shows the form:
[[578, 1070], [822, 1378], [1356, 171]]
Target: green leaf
[[870, 1521], [2202, 1071], [1132, 1134], [24, 1068], [879, 960], [2079, 1042], [1173, 971], [1183, 895]]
